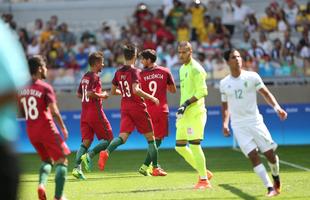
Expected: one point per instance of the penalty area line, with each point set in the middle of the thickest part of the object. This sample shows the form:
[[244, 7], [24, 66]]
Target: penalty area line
[[283, 162]]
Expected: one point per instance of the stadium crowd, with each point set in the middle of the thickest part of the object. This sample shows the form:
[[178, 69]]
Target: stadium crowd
[[274, 43]]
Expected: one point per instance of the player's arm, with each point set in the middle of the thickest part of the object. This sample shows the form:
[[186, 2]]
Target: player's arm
[[225, 119], [201, 91], [96, 95], [79, 95], [137, 91], [56, 114], [115, 90], [172, 88], [271, 100]]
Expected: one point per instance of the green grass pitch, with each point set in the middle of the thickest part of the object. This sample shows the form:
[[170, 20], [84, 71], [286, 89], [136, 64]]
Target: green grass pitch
[[233, 177]]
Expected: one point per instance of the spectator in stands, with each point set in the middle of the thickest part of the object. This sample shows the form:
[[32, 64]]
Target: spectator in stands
[[141, 12], [23, 38], [256, 51], [54, 22], [276, 53], [183, 32], [227, 10], [220, 29], [288, 45], [66, 36], [291, 11], [207, 30], [241, 12], [171, 58], [265, 43], [251, 23], [175, 15], [197, 10], [148, 42], [82, 58], [245, 43], [283, 24], [268, 22], [38, 27], [34, 47], [47, 33], [303, 18]]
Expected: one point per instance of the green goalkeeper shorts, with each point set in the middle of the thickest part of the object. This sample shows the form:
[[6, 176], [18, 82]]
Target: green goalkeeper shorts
[[191, 127]]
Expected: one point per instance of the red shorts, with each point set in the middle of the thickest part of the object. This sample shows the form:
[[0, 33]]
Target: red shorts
[[49, 145], [139, 119], [160, 122], [99, 126]]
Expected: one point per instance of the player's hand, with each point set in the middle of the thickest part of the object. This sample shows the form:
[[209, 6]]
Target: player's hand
[[104, 95], [155, 100], [226, 131], [65, 133], [282, 114], [182, 108]]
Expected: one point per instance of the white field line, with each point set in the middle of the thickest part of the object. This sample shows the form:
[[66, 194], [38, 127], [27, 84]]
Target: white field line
[[283, 162]]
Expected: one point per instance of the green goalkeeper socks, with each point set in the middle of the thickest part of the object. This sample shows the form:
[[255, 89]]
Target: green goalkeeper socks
[[60, 179], [45, 170], [187, 154], [99, 147], [199, 158], [114, 144], [148, 159], [79, 153]]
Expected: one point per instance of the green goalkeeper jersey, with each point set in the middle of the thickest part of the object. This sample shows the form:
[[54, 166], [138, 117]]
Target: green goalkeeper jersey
[[193, 83]]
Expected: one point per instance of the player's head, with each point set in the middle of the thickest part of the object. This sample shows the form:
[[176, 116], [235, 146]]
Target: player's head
[[130, 52], [185, 52], [95, 60], [233, 59], [148, 57], [37, 66]]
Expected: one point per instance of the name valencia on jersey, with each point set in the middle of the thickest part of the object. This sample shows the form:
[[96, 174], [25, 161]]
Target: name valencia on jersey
[[153, 76]]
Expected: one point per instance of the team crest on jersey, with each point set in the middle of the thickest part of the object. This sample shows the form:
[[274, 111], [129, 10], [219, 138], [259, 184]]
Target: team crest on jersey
[[190, 131], [245, 84], [123, 77]]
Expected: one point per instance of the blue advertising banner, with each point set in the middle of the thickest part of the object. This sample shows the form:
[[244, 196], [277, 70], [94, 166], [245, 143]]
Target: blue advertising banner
[[294, 131]]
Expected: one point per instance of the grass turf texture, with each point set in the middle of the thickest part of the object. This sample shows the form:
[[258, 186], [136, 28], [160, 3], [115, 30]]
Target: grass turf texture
[[233, 177]]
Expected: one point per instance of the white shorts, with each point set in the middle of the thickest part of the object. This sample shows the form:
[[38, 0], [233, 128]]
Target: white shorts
[[254, 136]]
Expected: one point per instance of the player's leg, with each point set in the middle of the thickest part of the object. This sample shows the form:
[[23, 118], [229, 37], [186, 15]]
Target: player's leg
[[104, 155], [60, 176], [104, 134], [45, 168], [268, 146], [273, 162], [58, 151]]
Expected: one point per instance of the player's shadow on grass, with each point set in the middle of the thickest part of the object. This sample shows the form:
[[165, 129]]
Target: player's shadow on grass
[[237, 192]]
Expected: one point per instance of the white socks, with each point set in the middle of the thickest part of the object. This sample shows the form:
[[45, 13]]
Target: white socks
[[261, 171], [275, 168]]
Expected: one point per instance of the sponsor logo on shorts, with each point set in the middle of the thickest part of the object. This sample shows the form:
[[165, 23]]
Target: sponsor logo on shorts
[[190, 131]]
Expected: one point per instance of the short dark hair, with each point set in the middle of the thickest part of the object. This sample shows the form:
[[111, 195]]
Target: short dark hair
[[129, 51], [94, 57], [149, 54], [34, 63], [227, 53]]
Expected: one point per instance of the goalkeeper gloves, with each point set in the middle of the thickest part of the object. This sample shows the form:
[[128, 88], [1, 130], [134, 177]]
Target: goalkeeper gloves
[[182, 108]]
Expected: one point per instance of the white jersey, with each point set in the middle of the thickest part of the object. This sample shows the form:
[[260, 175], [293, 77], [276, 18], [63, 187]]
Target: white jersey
[[240, 95]]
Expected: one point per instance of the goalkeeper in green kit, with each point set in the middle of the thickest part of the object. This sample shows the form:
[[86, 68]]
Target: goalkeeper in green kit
[[192, 114]]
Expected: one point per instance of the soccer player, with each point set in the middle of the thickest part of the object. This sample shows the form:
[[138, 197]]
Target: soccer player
[[156, 80], [126, 82], [13, 75], [93, 119], [38, 102], [191, 115], [238, 95]]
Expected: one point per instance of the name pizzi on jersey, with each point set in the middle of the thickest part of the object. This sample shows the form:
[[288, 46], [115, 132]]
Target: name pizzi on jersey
[[32, 92], [85, 81], [153, 76]]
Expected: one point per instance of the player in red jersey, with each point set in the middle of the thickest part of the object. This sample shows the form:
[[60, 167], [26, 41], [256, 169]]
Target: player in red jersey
[[93, 119], [156, 80], [126, 82], [38, 103]]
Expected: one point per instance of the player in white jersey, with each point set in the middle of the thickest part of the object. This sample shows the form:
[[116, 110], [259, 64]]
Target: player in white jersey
[[238, 95]]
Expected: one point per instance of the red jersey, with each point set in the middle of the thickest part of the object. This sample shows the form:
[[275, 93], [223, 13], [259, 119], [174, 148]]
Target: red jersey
[[154, 81], [34, 100], [90, 106], [123, 79]]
